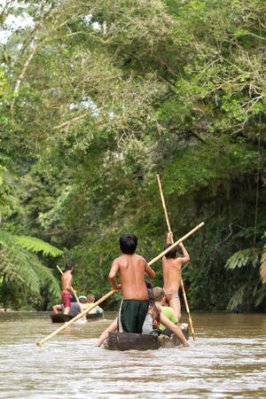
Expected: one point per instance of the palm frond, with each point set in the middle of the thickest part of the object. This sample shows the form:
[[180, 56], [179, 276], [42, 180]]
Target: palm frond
[[34, 244], [244, 258], [260, 295], [237, 299]]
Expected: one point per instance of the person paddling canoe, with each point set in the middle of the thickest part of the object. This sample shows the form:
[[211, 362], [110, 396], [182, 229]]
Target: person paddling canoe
[[172, 265], [131, 269], [67, 290]]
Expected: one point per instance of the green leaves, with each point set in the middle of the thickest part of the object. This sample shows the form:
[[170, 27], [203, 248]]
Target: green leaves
[[217, 162], [2, 172]]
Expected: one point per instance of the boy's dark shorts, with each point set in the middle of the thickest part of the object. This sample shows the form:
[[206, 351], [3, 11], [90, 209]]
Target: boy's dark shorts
[[132, 314]]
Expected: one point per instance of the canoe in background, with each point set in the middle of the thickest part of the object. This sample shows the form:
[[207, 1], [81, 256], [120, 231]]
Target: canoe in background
[[63, 318]]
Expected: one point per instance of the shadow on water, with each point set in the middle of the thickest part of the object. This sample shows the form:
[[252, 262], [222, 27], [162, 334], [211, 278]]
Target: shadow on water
[[226, 361]]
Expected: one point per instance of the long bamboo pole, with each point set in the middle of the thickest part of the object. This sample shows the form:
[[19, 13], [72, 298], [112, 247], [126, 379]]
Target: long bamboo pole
[[176, 243], [75, 294], [113, 291], [163, 203], [79, 316], [181, 280]]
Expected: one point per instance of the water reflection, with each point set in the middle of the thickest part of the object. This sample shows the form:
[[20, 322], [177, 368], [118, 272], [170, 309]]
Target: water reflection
[[226, 361]]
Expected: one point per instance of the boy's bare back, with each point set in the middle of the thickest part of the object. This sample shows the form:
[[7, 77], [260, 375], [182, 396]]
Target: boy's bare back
[[172, 274], [172, 269], [131, 269]]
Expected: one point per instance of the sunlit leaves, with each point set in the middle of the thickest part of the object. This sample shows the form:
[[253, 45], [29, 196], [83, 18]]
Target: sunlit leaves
[[34, 244]]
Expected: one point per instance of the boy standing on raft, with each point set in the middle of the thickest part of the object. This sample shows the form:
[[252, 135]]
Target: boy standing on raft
[[172, 265], [131, 269], [67, 290]]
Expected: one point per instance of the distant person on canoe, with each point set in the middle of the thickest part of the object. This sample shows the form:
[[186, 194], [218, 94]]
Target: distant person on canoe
[[90, 303], [67, 290], [131, 269], [172, 265], [74, 308], [86, 302], [83, 302]]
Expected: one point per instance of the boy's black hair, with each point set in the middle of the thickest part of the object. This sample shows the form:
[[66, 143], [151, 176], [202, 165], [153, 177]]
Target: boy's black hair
[[128, 243], [148, 284], [171, 254], [69, 266]]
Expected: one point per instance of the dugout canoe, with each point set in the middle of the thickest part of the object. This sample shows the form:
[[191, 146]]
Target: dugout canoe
[[131, 341], [94, 316], [63, 318], [60, 317]]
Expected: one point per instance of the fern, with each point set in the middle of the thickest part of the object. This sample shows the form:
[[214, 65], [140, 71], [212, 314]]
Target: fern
[[244, 258], [16, 266], [36, 245], [21, 268], [47, 281]]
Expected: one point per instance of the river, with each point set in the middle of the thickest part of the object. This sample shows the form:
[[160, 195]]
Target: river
[[227, 360]]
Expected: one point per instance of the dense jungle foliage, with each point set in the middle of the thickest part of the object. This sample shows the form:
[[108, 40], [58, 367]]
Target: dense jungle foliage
[[96, 98]]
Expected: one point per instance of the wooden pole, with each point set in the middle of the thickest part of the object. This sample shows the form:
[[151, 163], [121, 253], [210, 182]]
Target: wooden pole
[[163, 203], [176, 243], [79, 316], [75, 294], [181, 280]]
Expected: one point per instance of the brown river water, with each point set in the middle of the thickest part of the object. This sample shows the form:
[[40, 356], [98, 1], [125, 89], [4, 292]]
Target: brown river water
[[227, 360]]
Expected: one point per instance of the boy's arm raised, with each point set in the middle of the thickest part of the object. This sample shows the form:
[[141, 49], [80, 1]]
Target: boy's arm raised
[[186, 257], [112, 275]]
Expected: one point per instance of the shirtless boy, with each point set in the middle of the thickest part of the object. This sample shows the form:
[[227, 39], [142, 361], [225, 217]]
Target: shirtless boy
[[172, 265], [131, 269], [67, 290]]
